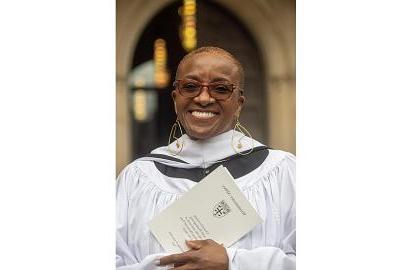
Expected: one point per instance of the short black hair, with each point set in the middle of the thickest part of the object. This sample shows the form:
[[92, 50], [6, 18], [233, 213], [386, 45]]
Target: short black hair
[[216, 51]]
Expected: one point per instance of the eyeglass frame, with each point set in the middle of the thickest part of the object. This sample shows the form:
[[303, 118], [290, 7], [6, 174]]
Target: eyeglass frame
[[176, 84]]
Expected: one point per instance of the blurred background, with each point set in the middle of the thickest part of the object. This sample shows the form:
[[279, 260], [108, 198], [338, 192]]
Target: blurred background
[[153, 36]]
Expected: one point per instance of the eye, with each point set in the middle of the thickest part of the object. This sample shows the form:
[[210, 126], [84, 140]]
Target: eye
[[190, 86], [221, 88]]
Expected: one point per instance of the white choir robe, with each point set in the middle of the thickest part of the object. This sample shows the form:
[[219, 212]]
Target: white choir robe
[[143, 192]]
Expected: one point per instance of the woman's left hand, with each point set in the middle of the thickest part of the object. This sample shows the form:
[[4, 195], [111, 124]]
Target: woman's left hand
[[204, 254]]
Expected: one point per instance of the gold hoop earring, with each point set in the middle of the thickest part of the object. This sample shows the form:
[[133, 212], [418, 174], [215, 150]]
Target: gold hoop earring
[[239, 145], [179, 144]]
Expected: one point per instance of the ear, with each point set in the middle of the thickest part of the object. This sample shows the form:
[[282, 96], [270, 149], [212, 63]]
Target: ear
[[173, 94], [241, 103]]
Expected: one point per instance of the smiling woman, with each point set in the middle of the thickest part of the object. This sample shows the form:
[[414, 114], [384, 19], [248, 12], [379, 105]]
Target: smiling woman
[[208, 97]]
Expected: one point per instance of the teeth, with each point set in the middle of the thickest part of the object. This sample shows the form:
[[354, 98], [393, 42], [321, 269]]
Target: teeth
[[203, 114]]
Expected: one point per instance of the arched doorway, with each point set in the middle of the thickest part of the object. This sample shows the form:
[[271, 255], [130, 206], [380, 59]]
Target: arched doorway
[[271, 23], [216, 26]]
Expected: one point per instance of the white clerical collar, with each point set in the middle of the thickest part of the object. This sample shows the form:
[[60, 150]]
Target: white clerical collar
[[203, 153]]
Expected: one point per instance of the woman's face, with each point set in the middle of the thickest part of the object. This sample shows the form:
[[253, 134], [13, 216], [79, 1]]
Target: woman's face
[[202, 116]]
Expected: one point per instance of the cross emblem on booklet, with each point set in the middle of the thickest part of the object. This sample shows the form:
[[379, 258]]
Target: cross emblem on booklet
[[221, 209]]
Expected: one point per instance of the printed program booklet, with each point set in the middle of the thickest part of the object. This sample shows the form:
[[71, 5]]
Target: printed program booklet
[[215, 208]]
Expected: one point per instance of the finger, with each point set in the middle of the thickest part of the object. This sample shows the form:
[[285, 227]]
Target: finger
[[171, 267], [188, 266], [194, 244], [211, 242], [200, 243], [180, 258]]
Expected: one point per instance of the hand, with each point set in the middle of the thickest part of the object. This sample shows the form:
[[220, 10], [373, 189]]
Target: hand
[[204, 255]]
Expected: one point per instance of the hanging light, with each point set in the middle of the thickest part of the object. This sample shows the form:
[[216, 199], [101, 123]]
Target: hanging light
[[188, 27], [160, 57], [140, 105]]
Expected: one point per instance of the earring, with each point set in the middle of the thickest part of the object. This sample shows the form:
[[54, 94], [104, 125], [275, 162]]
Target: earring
[[178, 143], [244, 134]]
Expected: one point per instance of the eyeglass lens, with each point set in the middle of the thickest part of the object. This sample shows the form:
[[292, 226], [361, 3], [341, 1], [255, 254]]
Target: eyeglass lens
[[217, 90]]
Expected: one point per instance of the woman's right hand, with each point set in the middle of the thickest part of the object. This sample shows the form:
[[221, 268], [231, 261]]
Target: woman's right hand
[[204, 255]]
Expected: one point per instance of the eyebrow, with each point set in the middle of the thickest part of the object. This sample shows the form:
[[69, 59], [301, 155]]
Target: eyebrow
[[197, 78]]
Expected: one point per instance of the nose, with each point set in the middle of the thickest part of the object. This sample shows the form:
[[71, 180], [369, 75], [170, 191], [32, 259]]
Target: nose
[[204, 97]]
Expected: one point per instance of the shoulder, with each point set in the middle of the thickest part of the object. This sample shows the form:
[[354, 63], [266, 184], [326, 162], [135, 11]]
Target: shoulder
[[136, 174], [283, 169], [281, 158], [136, 168], [278, 168], [143, 175]]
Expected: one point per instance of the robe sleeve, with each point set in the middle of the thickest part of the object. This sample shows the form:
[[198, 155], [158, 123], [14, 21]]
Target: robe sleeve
[[268, 258], [125, 259]]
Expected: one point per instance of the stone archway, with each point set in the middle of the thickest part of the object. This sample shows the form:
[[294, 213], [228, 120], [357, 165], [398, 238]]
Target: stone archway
[[272, 23]]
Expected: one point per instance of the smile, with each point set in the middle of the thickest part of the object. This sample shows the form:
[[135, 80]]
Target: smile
[[203, 115]]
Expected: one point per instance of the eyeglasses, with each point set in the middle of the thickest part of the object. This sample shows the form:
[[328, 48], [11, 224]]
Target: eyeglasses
[[218, 90]]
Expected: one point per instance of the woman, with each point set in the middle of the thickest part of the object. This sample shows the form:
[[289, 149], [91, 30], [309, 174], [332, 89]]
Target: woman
[[208, 99]]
